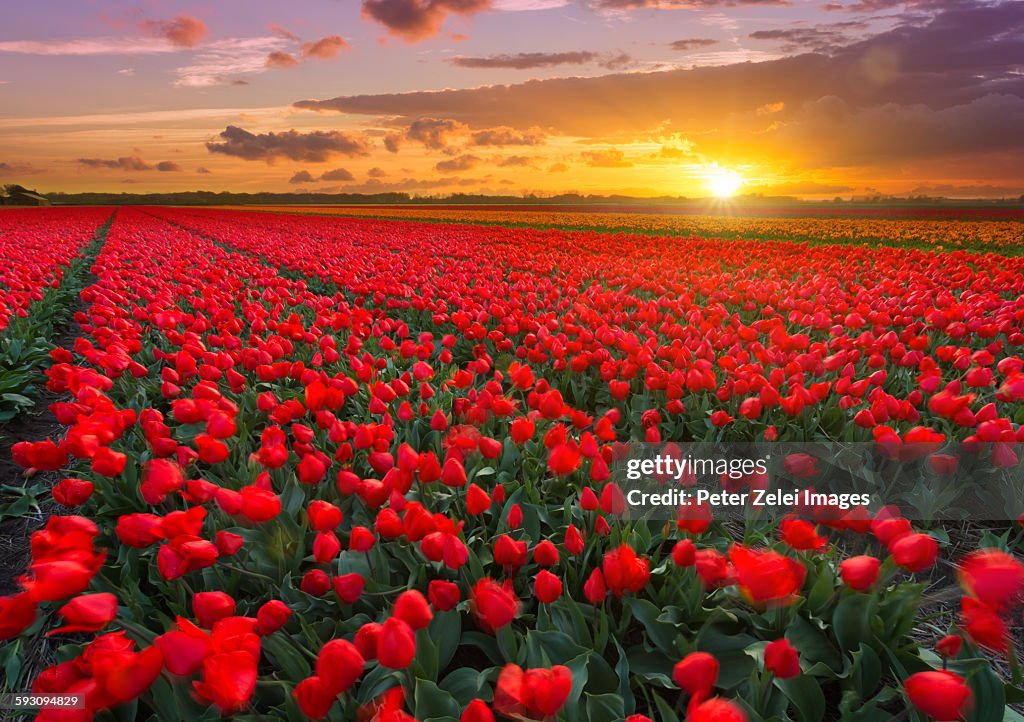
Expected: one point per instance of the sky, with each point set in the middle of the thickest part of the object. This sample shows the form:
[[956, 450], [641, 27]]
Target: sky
[[640, 97]]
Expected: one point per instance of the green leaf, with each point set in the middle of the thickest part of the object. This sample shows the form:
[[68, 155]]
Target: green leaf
[[432, 702], [851, 622], [604, 708], [806, 695], [665, 711], [989, 696]]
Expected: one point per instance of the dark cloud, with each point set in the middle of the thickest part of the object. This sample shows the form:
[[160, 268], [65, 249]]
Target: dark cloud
[[692, 43], [952, 190], [950, 85], [434, 132], [612, 158], [415, 20], [303, 176], [515, 161], [18, 169], [184, 31], [131, 162], [676, 4], [392, 141], [506, 136], [821, 38], [324, 48], [529, 61], [525, 61], [281, 59], [282, 32], [802, 188], [203, 170], [376, 172], [168, 166], [313, 147], [460, 163], [338, 174]]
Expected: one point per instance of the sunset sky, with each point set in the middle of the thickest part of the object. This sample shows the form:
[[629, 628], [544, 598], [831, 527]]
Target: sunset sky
[[642, 97]]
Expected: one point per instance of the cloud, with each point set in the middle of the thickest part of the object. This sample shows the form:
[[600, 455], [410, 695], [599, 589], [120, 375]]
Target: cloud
[[529, 61], [525, 5], [183, 31], [324, 48], [416, 20], [338, 174], [817, 39], [955, 190], [168, 166], [203, 169], [130, 163], [281, 59], [503, 136], [303, 176], [460, 163], [526, 61], [282, 32], [515, 161], [88, 46], [392, 142], [220, 62], [558, 168], [676, 4], [18, 169], [611, 158], [313, 147], [434, 133], [919, 91], [692, 43], [376, 172], [801, 188], [374, 185]]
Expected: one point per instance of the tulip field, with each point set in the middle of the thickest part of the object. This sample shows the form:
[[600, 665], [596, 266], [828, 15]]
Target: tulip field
[[317, 466]]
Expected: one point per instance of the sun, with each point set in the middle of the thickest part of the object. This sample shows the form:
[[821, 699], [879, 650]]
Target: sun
[[724, 182]]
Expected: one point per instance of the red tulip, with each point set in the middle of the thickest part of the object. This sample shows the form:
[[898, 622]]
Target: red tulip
[[338, 665], [348, 587], [915, 552], [17, 613], [781, 659], [210, 607], [547, 587], [949, 646], [87, 613], [229, 680], [271, 616], [443, 595], [624, 571], [860, 573], [396, 646], [412, 608], [942, 695], [313, 697], [716, 710], [477, 711], [993, 577], [493, 605], [766, 577], [696, 673]]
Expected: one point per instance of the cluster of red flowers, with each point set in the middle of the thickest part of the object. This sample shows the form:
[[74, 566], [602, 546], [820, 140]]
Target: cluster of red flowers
[[347, 435], [35, 250]]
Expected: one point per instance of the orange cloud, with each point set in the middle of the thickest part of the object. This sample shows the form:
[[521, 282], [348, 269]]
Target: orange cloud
[[281, 59], [183, 31], [324, 48], [416, 20]]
